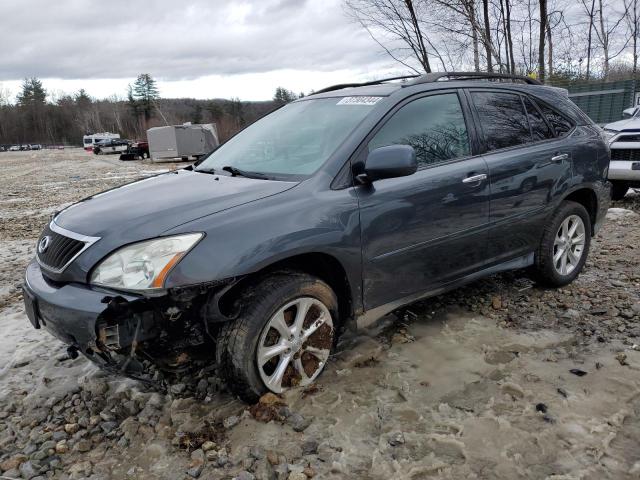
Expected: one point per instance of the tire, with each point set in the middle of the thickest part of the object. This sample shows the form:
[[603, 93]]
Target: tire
[[619, 190], [242, 340], [545, 269]]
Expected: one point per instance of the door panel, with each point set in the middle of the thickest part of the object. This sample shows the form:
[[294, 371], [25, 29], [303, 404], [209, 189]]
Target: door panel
[[527, 166], [523, 183], [431, 227], [421, 231]]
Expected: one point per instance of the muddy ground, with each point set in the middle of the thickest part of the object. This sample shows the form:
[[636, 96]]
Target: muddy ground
[[498, 380]]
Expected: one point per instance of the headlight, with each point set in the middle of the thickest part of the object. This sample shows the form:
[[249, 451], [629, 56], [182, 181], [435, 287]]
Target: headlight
[[609, 134], [144, 265]]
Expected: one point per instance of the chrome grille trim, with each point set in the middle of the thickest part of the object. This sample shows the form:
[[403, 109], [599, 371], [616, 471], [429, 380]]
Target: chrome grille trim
[[86, 239]]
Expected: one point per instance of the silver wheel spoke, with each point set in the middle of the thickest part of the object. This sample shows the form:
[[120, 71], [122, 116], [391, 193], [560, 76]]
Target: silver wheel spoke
[[319, 353], [267, 353], [274, 382], [578, 240], [280, 325], [563, 263], [314, 326], [558, 255], [574, 257], [302, 309], [572, 230], [300, 368]]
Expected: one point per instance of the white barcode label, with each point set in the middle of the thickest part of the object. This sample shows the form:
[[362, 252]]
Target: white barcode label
[[359, 100]]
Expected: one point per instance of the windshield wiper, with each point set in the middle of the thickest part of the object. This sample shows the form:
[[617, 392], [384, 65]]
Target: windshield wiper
[[236, 172], [210, 171]]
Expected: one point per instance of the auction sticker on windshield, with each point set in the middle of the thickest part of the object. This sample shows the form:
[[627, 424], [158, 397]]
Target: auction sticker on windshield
[[359, 101]]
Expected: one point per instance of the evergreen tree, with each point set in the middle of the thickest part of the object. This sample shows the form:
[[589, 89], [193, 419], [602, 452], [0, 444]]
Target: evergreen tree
[[143, 94], [283, 96], [33, 93]]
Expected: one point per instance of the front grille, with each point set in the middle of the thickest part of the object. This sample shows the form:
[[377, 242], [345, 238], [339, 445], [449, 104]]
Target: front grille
[[628, 138], [60, 250], [625, 154]]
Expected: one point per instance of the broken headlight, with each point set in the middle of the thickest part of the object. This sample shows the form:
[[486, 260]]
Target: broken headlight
[[144, 265]]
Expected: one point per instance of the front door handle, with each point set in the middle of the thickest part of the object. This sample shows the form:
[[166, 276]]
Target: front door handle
[[560, 158], [475, 178]]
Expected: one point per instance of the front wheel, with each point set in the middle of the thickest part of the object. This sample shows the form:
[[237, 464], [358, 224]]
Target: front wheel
[[564, 246], [283, 337]]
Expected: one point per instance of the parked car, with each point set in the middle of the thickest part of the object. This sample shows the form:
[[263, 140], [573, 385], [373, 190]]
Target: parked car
[[35, 146], [111, 145], [334, 210], [137, 150], [14, 148], [624, 141]]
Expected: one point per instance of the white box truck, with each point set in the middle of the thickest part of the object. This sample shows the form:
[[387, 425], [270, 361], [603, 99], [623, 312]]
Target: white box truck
[[181, 141]]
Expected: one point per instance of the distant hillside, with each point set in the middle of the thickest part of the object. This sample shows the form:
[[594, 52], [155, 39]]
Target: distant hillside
[[70, 117]]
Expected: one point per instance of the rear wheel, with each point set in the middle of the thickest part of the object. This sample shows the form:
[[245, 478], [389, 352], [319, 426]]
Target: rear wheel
[[619, 190], [565, 245], [283, 338]]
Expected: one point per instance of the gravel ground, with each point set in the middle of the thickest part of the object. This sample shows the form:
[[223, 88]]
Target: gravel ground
[[498, 380]]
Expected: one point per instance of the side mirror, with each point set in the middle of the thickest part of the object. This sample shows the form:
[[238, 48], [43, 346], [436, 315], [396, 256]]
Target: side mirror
[[389, 162], [629, 112]]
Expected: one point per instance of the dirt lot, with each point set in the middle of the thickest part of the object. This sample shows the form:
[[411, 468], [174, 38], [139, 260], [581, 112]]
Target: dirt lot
[[498, 380]]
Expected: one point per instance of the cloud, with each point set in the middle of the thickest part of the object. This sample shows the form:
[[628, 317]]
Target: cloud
[[178, 41]]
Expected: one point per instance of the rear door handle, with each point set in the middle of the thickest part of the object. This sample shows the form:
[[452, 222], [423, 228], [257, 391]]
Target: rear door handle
[[560, 158], [475, 178]]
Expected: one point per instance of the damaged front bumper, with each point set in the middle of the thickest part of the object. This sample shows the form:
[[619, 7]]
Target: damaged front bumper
[[136, 335]]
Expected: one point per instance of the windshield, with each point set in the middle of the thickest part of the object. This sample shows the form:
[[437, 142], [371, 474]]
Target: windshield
[[292, 141]]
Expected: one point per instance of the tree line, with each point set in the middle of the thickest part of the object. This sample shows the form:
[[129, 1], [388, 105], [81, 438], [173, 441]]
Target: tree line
[[548, 39], [38, 116]]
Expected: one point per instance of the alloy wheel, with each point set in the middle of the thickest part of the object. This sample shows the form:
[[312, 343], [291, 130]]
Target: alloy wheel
[[295, 344], [568, 246]]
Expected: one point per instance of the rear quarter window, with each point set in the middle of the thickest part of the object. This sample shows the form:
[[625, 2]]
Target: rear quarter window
[[560, 124]]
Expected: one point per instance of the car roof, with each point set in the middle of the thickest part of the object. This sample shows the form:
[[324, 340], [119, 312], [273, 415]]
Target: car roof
[[556, 97]]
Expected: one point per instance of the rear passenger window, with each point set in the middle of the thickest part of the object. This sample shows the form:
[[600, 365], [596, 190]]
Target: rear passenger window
[[503, 119], [560, 124], [434, 126], [539, 128]]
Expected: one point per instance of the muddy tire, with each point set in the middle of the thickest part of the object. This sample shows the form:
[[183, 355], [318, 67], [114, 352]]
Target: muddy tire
[[242, 343], [619, 190], [564, 247]]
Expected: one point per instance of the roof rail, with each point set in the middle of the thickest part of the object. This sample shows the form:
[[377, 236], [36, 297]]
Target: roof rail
[[437, 76], [373, 82]]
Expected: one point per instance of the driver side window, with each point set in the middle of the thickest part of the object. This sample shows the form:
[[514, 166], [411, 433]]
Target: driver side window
[[434, 126]]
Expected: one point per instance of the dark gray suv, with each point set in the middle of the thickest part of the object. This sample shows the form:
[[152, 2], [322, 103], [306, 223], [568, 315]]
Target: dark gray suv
[[333, 210]]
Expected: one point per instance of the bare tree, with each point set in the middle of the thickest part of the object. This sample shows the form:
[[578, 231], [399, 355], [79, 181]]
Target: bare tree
[[487, 34], [633, 21], [609, 22], [541, 39], [395, 25]]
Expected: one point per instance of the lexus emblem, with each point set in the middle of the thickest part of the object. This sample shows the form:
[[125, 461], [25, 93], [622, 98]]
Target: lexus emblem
[[43, 244]]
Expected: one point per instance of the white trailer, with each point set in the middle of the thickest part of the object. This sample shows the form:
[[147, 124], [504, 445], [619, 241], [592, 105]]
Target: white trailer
[[89, 141], [181, 141]]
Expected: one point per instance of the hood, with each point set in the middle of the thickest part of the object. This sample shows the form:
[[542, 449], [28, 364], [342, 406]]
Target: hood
[[149, 207], [628, 124]]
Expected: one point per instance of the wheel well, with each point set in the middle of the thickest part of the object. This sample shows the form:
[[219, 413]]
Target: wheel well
[[587, 198], [326, 267]]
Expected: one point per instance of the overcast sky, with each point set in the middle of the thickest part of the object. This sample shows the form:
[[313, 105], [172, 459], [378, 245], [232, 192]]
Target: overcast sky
[[194, 48]]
